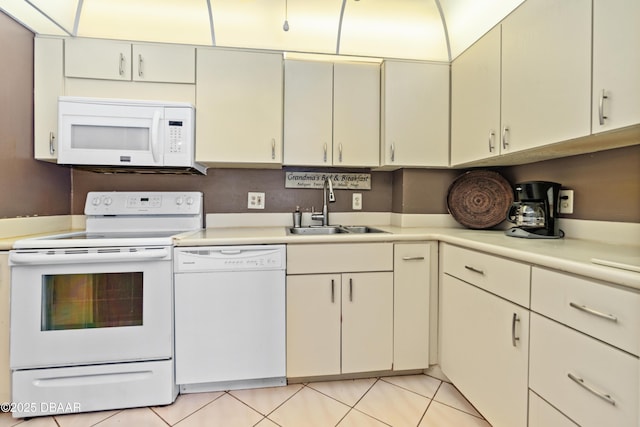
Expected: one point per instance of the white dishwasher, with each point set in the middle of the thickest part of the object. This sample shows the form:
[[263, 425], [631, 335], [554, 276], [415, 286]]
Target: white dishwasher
[[230, 317]]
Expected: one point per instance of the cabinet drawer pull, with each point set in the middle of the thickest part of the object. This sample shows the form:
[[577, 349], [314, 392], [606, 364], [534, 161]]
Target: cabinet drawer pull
[[413, 258], [593, 312], [475, 270], [351, 290], [333, 291], [514, 339], [606, 397], [601, 115]]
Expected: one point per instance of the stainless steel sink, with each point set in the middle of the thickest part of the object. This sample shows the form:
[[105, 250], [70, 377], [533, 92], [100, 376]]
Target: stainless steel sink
[[333, 229], [361, 229], [316, 230]]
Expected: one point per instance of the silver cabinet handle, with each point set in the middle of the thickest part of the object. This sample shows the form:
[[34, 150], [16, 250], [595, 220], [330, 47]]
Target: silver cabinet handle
[[273, 148], [475, 270], [505, 132], [121, 66], [606, 397], [140, 64], [351, 290], [413, 258], [393, 152], [601, 115], [52, 139], [325, 153], [340, 152], [333, 291], [492, 146], [514, 320], [593, 312]]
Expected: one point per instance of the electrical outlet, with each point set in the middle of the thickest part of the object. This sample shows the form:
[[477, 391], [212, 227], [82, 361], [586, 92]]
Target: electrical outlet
[[566, 201], [356, 201], [255, 200]]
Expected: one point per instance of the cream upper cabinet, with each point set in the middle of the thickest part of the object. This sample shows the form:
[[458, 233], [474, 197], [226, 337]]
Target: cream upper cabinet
[[239, 107], [356, 114], [546, 78], [415, 114], [332, 114], [97, 59], [48, 85], [475, 101], [120, 60], [164, 63], [308, 113], [616, 64]]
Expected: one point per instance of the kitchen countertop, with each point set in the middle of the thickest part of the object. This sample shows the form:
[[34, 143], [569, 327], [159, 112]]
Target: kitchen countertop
[[568, 255]]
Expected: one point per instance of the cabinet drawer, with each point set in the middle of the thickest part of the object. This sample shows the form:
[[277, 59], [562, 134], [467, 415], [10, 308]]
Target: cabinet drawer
[[605, 312], [608, 395], [339, 258], [541, 414], [503, 277]]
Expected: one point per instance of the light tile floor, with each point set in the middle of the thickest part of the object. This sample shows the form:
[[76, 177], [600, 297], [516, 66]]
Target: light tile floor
[[412, 401]]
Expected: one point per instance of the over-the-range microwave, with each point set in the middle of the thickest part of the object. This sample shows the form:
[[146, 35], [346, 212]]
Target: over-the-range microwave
[[127, 134]]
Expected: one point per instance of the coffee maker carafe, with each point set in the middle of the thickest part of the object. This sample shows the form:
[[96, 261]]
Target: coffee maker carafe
[[535, 211]]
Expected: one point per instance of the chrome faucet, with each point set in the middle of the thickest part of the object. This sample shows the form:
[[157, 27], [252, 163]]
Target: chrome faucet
[[324, 215]]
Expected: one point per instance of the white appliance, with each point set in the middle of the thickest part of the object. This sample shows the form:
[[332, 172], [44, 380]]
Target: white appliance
[[92, 311], [230, 317], [126, 133]]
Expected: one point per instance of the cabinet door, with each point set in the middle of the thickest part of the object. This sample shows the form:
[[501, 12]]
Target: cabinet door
[[97, 59], [48, 84], [239, 114], [411, 288], [356, 114], [475, 101], [5, 372], [308, 113], [546, 83], [616, 64], [164, 63], [313, 325], [367, 322], [415, 114], [484, 350]]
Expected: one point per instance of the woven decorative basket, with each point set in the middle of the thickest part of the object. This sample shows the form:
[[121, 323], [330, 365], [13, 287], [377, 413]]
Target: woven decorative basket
[[479, 199]]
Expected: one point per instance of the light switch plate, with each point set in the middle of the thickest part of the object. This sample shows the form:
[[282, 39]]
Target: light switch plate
[[356, 201], [255, 200], [566, 201]]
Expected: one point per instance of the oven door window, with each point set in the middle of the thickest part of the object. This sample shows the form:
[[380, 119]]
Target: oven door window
[[93, 300]]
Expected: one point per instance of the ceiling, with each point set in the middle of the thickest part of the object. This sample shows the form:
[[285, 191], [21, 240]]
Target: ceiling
[[434, 30]]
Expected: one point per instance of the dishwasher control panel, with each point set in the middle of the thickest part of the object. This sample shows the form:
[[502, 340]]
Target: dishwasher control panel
[[230, 258]]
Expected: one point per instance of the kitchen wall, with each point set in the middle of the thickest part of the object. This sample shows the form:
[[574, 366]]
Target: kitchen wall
[[27, 187]]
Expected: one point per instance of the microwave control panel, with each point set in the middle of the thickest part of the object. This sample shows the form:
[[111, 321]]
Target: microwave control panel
[[175, 136]]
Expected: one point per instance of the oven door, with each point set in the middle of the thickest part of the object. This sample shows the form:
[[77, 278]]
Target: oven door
[[78, 307]]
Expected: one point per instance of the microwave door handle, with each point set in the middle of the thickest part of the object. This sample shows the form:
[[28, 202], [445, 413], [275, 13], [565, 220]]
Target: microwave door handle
[[155, 131]]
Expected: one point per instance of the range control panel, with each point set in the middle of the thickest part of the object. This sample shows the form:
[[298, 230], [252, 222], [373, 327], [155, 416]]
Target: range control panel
[[143, 203]]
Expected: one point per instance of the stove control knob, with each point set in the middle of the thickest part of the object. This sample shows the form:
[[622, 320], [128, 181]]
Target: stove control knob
[[179, 201], [108, 201], [190, 201], [95, 201]]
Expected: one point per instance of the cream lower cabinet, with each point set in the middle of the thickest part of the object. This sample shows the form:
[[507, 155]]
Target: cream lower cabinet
[[484, 337], [585, 340], [339, 322], [5, 372]]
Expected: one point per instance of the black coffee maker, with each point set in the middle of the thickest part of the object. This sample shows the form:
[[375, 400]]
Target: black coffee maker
[[535, 211]]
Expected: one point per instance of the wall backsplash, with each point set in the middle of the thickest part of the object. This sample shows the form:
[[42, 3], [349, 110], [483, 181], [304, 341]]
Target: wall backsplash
[[29, 187]]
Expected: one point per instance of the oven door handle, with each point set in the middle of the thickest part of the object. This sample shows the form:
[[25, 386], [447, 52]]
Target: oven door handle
[[66, 258]]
